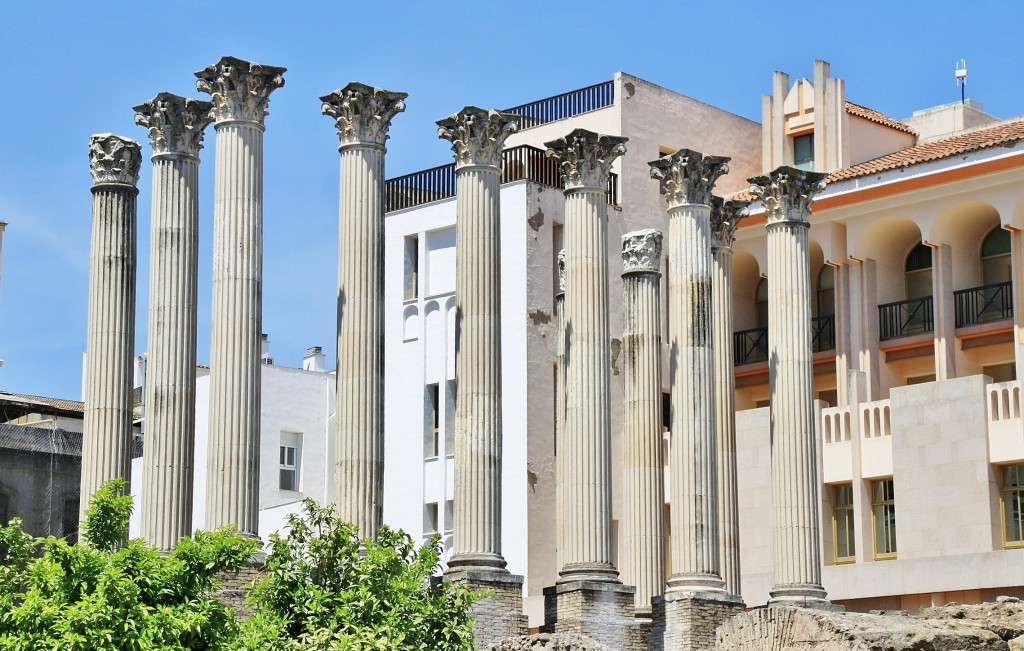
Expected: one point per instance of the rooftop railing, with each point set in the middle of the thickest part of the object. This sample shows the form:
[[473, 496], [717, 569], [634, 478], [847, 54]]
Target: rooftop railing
[[565, 105], [518, 163]]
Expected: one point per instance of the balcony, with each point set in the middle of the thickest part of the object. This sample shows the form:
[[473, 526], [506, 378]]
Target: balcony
[[518, 163], [983, 304], [751, 346], [905, 318], [823, 333], [566, 105]]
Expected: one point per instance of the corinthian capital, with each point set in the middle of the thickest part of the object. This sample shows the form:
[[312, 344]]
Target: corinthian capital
[[175, 123], [787, 193], [240, 89], [114, 160], [477, 136], [586, 157], [641, 251], [687, 176], [363, 113], [725, 217], [561, 271]]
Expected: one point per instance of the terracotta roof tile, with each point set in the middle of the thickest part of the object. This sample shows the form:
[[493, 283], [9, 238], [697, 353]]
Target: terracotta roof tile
[[56, 403], [877, 117], [1003, 135]]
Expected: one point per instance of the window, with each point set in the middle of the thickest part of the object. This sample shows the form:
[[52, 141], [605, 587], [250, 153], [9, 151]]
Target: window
[[827, 291], [430, 518], [803, 152], [412, 267], [449, 516], [844, 547], [883, 518], [1011, 502], [432, 424], [995, 257], [289, 456], [918, 272], [761, 303]]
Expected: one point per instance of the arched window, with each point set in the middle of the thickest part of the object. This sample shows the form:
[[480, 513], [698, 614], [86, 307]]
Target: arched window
[[761, 303], [918, 272], [827, 291], [995, 257]]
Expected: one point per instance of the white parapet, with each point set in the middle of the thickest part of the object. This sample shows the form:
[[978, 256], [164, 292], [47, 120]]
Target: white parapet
[[837, 447], [1005, 426], [875, 439]]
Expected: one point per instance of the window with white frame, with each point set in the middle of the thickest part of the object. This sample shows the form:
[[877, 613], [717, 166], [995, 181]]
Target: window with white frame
[[290, 461]]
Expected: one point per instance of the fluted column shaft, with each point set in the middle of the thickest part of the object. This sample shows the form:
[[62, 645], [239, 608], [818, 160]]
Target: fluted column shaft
[[110, 342], [560, 346], [787, 194], [643, 492], [240, 92]]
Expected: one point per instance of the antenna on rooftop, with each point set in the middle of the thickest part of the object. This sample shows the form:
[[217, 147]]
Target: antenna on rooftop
[[961, 78]]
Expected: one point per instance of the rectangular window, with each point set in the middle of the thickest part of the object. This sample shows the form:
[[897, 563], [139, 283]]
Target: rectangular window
[[432, 421], [412, 267], [449, 516], [289, 456], [430, 518], [803, 152], [883, 518], [1011, 498], [842, 523]]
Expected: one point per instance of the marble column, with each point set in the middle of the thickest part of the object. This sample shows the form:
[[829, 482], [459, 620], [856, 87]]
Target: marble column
[[559, 397], [241, 92], [725, 216], [363, 116], [787, 194], [110, 343], [687, 178], [175, 127], [643, 484], [477, 138]]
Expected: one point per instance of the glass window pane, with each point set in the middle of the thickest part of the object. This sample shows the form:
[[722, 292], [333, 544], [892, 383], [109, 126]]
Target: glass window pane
[[996, 243]]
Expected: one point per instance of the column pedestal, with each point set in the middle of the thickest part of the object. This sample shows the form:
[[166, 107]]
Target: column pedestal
[[499, 615], [685, 621], [600, 610]]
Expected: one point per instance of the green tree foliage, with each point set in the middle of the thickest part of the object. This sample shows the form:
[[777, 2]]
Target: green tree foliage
[[108, 594], [325, 592]]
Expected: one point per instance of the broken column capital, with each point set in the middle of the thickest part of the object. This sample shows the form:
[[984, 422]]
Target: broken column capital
[[586, 158], [363, 113], [641, 252], [114, 160], [725, 217], [477, 135], [687, 176], [787, 193], [175, 124], [240, 90]]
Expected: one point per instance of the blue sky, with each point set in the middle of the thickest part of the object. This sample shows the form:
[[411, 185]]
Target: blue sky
[[72, 69]]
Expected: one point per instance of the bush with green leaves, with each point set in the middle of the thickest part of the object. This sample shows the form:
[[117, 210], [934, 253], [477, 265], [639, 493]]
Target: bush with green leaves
[[326, 590], [108, 594]]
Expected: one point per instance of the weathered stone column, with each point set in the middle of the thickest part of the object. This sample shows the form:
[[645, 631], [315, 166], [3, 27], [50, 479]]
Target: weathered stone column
[[725, 216], [477, 138], [687, 178], [787, 194], [241, 92], [560, 345], [643, 485], [175, 127], [110, 343], [363, 116], [588, 597]]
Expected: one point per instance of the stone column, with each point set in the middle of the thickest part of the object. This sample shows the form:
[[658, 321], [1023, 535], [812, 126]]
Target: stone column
[[687, 178], [725, 216], [110, 343], [643, 485], [588, 597], [559, 398], [175, 127], [363, 116], [477, 138], [241, 92], [787, 194]]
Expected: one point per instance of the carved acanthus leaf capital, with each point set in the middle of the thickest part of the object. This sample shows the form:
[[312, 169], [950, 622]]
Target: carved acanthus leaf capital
[[586, 158], [561, 271], [114, 160], [787, 193], [725, 217], [687, 176], [363, 113], [477, 136], [240, 89], [641, 251], [175, 123]]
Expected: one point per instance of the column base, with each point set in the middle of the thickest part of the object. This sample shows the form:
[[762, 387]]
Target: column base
[[710, 587], [477, 561], [684, 621], [802, 595], [600, 610], [588, 573], [499, 615]]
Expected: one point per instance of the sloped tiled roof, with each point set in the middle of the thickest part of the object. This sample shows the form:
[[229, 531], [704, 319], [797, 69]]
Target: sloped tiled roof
[[55, 403], [1003, 135], [878, 118]]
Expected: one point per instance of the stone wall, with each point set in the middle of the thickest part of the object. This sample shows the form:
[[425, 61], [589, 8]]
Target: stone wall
[[235, 587], [688, 623]]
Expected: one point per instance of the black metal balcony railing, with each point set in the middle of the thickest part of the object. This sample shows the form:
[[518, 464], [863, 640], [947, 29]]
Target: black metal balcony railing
[[523, 162], [983, 304], [823, 333], [565, 105], [750, 346], [905, 318]]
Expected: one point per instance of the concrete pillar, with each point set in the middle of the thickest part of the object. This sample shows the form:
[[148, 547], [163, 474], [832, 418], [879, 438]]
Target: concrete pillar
[[560, 344], [725, 216], [110, 343], [175, 127], [787, 194], [1017, 287], [944, 311], [363, 116], [241, 92], [477, 138], [588, 597], [687, 178], [643, 483]]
